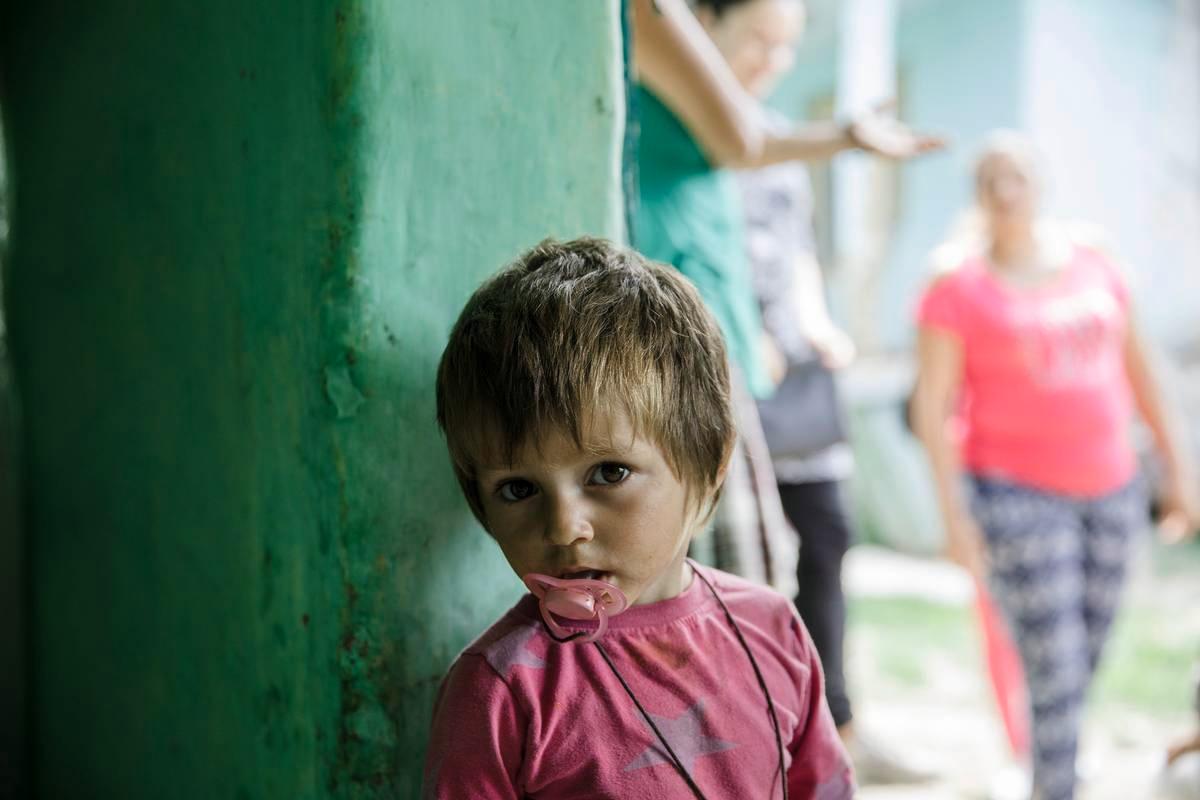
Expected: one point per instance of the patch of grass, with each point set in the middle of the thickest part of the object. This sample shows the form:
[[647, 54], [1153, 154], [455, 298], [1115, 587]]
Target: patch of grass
[[1154, 648], [1148, 664], [1177, 562], [909, 634]]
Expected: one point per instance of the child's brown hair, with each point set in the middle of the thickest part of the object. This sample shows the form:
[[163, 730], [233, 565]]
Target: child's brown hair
[[576, 328]]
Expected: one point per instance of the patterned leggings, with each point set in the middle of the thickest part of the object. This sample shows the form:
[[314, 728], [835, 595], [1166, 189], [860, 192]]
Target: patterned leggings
[[1057, 566]]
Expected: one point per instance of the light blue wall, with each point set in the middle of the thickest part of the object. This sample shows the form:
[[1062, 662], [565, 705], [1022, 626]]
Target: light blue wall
[[960, 70], [1114, 106], [814, 75], [1110, 92], [960, 73]]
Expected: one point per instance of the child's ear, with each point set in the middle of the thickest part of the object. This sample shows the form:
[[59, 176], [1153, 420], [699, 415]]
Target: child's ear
[[713, 495], [723, 470]]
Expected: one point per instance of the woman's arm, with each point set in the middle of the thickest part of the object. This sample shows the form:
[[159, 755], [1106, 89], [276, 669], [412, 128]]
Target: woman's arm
[[939, 375], [1181, 507], [675, 58], [835, 348]]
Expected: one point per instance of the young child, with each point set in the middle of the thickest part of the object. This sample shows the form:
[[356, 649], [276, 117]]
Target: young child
[[584, 395], [1185, 749]]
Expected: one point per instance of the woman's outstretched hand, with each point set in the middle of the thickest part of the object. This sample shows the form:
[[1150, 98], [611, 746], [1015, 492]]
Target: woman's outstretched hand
[[834, 347], [880, 133]]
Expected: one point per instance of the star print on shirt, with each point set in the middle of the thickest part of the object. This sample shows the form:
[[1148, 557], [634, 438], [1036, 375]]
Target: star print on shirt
[[509, 651], [686, 737], [836, 788]]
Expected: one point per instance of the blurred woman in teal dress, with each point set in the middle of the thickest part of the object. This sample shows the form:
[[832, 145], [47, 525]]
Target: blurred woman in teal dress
[[698, 120]]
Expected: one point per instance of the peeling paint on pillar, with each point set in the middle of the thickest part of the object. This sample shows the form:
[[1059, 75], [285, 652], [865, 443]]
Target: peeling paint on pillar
[[485, 129], [240, 237]]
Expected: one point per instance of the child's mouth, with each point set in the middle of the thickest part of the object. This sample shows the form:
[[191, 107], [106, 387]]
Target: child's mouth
[[584, 574]]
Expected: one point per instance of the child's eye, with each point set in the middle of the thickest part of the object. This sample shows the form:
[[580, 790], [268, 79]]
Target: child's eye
[[515, 491], [609, 474]]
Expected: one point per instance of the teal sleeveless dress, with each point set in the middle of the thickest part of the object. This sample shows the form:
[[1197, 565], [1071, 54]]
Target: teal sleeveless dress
[[689, 216]]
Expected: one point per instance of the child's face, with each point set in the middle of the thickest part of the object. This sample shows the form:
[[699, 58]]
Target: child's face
[[611, 509]]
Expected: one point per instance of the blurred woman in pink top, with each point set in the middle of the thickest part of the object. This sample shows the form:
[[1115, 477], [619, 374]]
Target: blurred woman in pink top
[[1027, 336]]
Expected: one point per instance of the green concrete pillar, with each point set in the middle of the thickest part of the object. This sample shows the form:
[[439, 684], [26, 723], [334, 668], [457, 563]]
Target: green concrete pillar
[[241, 232]]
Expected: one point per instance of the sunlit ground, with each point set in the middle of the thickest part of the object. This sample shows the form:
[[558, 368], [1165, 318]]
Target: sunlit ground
[[918, 675]]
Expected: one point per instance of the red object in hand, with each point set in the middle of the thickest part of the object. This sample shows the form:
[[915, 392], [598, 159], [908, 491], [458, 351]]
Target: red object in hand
[[1004, 669]]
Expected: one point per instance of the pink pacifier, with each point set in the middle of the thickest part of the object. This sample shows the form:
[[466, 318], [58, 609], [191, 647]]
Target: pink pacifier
[[576, 598]]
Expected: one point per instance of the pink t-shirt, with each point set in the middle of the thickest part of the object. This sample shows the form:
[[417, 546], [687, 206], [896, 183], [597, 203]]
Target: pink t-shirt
[[520, 715], [1046, 399]]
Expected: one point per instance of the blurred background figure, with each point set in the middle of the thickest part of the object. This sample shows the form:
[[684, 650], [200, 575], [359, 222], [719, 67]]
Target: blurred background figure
[[1029, 331], [140, 179], [689, 215], [803, 419], [1110, 94], [1181, 779]]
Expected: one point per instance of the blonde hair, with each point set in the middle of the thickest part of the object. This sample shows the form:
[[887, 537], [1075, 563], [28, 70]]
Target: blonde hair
[[969, 238], [968, 235], [574, 329]]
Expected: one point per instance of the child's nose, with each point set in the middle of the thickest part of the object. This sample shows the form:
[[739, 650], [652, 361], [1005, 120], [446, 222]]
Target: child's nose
[[567, 521]]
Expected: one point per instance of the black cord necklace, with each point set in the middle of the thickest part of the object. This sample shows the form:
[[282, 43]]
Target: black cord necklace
[[762, 683]]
